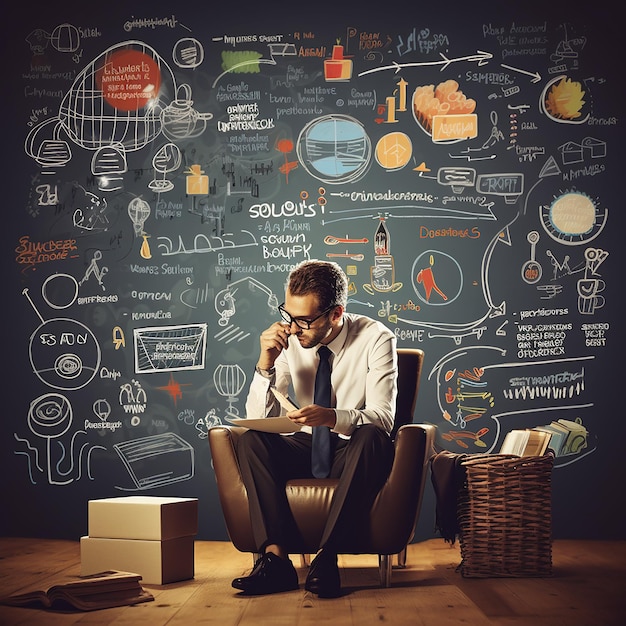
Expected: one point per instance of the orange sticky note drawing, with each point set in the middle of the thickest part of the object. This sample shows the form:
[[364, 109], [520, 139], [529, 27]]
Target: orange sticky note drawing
[[454, 127], [338, 68], [197, 182]]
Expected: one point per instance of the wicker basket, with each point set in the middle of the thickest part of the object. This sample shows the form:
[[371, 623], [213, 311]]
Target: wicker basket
[[505, 516]]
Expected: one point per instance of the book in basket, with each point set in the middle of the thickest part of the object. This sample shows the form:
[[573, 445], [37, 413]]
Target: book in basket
[[87, 593], [528, 442]]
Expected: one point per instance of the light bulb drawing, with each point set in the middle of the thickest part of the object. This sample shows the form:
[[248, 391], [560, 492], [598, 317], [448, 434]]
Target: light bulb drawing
[[229, 381], [138, 211], [102, 409]]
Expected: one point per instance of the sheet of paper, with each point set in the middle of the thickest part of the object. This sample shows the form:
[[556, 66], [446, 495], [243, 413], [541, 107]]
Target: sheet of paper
[[285, 402], [268, 424]]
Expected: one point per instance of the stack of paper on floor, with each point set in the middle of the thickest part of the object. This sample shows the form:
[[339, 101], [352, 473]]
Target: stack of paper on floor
[[152, 536]]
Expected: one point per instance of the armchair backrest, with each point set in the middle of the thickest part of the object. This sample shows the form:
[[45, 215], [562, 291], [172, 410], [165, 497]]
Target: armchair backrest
[[410, 361]]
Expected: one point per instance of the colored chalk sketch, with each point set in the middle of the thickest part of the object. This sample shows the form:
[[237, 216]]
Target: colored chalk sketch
[[427, 269], [335, 149], [393, 151], [573, 218]]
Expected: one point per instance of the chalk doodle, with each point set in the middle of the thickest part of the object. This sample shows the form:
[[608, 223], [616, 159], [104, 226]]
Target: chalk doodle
[[168, 179], [49, 418]]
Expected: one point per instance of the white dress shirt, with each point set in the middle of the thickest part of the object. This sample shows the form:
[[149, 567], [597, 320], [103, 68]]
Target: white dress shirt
[[364, 377]]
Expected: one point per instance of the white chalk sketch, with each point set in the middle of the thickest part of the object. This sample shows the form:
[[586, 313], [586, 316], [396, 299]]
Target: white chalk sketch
[[90, 214], [229, 380], [531, 269], [94, 269], [156, 460], [138, 211], [47, 194], [202, 243], [225, 300], [169, 348], [508, 185], [550, 168], [50, 417], [192, 297], [205, 423], [480, 58], [132, 397], [589, 287], [38, 40], [568, 48], [167, 159], [59, 290], [574, 152], [64, 353], [457, 178], [383, 272], [180, 120], [188, 53], [63, 38], [107, 165], [474, 154], [114, 122], [231, 333], [101, 409]]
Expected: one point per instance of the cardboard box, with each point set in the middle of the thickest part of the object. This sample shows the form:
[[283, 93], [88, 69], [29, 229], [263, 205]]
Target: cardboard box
[[143, 517], [158, 562]]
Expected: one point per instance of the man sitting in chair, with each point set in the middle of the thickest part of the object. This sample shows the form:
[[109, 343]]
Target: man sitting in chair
[[345, 423]]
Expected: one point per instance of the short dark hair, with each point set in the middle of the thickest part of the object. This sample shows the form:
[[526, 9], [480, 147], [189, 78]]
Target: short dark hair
[[325, 279]]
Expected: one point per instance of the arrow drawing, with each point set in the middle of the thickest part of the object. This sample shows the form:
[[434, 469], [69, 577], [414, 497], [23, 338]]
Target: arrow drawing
[[480, 57], [536, 76]]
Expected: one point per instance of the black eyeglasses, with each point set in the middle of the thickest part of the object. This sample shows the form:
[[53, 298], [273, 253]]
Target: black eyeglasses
[[299, 322]]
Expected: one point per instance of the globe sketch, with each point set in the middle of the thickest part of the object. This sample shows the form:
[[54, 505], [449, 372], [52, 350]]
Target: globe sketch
[[334, 149]]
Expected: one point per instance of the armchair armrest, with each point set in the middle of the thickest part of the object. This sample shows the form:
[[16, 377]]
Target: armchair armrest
[[232, 491], [398, 503]]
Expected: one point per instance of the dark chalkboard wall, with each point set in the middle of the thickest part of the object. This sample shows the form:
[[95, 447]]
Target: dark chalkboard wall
[[167, 166]]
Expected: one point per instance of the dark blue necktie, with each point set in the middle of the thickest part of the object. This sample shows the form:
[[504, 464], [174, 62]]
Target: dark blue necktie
[[320, 453]]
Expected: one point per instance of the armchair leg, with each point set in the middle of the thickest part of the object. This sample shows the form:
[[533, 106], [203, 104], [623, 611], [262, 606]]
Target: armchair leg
[[402, 558], [305, 560], [384, 569]]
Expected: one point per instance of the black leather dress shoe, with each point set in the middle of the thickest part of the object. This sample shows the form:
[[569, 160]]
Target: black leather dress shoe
[[271, 574], [323, 577]]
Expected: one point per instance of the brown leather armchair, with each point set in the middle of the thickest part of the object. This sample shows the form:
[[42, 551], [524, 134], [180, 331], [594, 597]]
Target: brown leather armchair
[[395, 511]]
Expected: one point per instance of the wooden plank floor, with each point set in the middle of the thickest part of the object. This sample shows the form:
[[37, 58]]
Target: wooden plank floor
[[588, 588]]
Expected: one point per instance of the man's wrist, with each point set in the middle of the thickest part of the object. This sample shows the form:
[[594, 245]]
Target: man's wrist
[[266, 373]]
